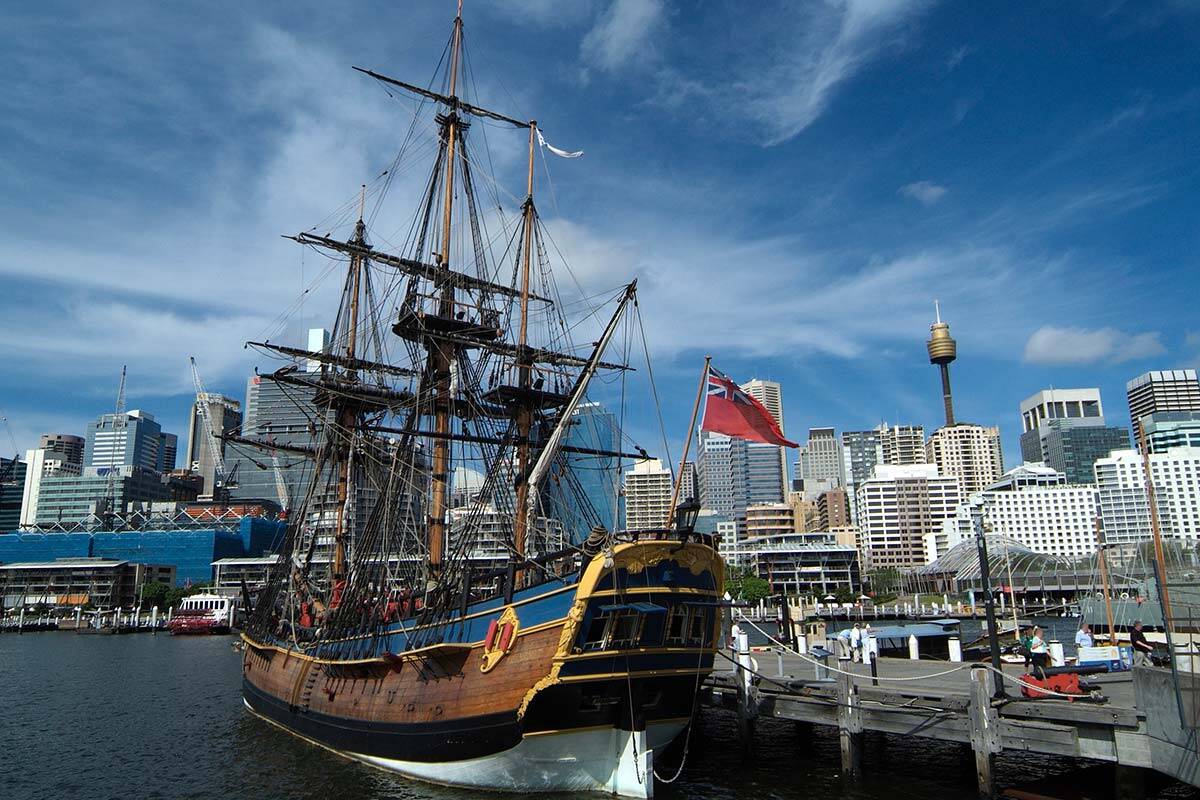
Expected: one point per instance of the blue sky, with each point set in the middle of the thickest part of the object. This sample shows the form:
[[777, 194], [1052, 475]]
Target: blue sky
[[793, 184]]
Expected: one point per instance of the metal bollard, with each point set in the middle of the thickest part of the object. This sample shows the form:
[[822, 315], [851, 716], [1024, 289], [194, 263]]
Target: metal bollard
[[914, 649], [955, 649]]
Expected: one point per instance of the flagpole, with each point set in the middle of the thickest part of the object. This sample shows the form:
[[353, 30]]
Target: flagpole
[[687, 443]]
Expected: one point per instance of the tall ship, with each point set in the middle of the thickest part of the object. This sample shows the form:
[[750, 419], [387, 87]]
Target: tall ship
[[455, 601]]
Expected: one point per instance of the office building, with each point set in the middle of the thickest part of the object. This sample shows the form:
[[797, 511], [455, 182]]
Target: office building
[[1158, 391], [1032, 504], [168, 448], [688, 484], [67, 499], [770, 519], [820, 462], [766, 464], [1165, 430], [897, 507], [589, 492], [833, 509], [226, 416], [803, 564], [12, 489], [968, 452], [721, 468], [648, 487], [98, 582], [1065, 430], [805, 513], [885, 444], [69, 447], [55, 458], [132, 439], [281, 414], [1124, 510]]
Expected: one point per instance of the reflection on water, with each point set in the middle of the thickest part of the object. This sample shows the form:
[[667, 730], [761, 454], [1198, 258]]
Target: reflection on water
[[159, 717]]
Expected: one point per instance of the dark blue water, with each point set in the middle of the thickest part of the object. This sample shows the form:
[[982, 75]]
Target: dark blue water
[[146, 717]]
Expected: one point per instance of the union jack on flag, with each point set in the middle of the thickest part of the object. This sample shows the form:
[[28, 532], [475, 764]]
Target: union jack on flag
[[721, 386], [729, 410]]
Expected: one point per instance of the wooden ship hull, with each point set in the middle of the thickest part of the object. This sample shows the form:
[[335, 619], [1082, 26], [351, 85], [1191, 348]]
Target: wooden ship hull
[[571, 686]]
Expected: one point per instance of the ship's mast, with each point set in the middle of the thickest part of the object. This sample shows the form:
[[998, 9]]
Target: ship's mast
[[524, 371], [347, 414], [439, 357]]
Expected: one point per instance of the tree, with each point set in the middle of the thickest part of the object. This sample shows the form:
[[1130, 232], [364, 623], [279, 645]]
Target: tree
[[744, 585], [154, 593], [885, 580]]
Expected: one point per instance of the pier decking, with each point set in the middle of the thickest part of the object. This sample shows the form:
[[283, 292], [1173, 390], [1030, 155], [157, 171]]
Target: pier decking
[[1142, 725]]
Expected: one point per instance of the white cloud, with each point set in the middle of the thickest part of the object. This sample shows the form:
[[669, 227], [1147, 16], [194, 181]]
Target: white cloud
[[621, 33], [924, 192], [788, 79], [1069, 345], [957, 56]]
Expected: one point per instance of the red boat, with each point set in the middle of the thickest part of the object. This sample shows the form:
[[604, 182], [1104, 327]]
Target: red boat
[[203, 614]]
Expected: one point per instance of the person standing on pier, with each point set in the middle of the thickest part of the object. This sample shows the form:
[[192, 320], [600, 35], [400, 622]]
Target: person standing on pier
[[1141, 648], [856, 643], [1038, 652], [1083, 636], [1026, 638]]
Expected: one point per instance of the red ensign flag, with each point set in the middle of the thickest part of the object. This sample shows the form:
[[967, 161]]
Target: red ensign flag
[[729, 410]]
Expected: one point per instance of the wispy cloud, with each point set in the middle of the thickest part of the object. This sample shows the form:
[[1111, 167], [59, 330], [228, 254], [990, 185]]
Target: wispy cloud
[[925, 192], [622, 34], [1068, 345], [956, 57], [788, 79]]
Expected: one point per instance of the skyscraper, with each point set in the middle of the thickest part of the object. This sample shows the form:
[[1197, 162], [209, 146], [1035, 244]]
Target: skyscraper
[[897, 507], [1064, 428], [688, 488], [862, 451], [70, 447], [12, 488], [226, 416], [766, 464], [592, 496], [1162, 390], [1167, 429], [968, 452], [721, 468], [648, 487], [131, 438]]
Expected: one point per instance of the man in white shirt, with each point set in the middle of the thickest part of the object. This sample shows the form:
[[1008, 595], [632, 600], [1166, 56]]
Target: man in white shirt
[[856, 642], [1083, 636]]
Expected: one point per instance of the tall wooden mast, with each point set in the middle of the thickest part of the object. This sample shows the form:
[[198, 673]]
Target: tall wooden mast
[[439, 353], [347, 414], [524, 368]]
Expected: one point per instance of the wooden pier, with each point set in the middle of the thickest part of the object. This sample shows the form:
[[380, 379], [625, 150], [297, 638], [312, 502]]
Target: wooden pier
[[1141, 726]]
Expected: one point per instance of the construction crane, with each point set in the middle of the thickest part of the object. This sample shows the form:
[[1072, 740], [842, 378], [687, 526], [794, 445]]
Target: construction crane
[[280, 485], [220, 478], [120, 422]]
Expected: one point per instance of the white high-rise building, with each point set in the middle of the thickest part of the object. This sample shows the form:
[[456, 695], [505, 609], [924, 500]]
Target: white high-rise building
[[968, 452], [1033, 504], [902, 444], [897, 507], [1124, 510], [648, 487], [721, 469]]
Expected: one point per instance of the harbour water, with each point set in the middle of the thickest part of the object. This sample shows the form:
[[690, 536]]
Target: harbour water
[[160, 717]]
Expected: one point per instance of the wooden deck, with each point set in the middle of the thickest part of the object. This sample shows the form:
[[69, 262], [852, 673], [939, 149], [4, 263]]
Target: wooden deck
[[919, 698]]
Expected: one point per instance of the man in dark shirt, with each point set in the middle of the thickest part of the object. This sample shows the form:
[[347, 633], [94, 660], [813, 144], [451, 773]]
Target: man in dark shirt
[[1141, 648]]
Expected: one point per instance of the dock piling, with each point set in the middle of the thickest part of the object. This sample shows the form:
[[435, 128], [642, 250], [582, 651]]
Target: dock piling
[[914, 648], [985, 729], [955, 649], [849, 716]]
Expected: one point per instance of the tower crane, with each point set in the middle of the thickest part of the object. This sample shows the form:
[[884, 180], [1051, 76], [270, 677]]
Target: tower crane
[[221, 480], [120, 422]]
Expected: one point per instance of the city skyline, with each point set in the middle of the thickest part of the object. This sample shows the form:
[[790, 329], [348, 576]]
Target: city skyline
[[1026, 245]]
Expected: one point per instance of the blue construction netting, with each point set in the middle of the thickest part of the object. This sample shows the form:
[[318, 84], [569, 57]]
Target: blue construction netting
[[191, 552]]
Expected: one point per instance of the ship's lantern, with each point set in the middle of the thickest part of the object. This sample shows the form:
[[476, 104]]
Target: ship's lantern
[[686, 515]]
